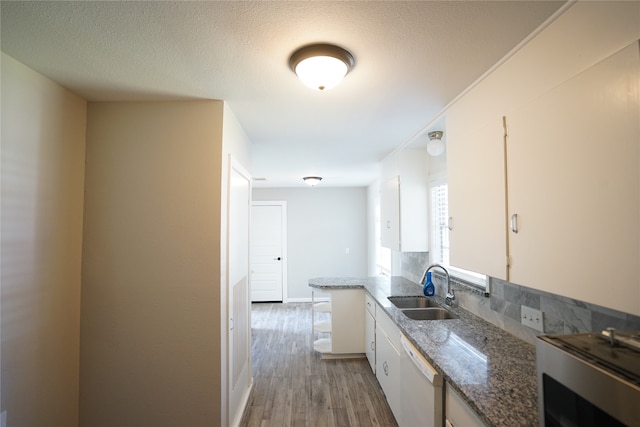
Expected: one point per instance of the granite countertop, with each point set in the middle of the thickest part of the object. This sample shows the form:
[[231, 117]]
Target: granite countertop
[[492, 370]]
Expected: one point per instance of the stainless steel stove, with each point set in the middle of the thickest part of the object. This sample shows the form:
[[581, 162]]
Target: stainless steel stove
[[589, 379]]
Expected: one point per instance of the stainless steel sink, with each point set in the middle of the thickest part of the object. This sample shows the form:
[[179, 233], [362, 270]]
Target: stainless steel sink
[[413, 302], [421, 308], [428, 314]]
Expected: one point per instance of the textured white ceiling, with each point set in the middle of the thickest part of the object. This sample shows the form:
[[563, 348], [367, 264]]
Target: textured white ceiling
[[412, 58]]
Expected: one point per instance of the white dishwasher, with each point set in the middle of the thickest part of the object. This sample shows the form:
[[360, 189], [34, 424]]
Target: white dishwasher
[[421, 391]]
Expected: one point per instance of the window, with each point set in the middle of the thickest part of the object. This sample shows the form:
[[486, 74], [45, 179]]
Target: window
[[439, 223], [440, 234]]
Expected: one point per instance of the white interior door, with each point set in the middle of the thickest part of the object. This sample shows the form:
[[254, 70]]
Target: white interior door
[[268, 251], [239, 346]]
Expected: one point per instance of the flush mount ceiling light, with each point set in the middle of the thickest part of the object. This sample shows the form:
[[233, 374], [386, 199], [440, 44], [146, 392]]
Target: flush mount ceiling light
[[312, 180], [321, 66], [435, 146]]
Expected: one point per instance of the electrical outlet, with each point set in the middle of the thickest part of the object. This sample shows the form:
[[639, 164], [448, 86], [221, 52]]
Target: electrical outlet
[[532, 318]]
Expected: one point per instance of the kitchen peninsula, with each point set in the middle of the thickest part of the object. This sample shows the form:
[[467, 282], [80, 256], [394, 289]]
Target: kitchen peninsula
[[493, 371]]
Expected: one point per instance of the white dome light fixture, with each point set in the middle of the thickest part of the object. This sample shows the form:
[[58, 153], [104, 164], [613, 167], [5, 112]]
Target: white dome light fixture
[[435, 146], [321, 66], [312, 180]]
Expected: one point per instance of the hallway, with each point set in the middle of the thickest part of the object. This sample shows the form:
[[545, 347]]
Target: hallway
[[294, 387]]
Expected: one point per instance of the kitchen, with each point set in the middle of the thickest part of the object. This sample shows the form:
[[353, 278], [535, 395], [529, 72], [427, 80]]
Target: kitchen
[[504, 307], [505, 299]]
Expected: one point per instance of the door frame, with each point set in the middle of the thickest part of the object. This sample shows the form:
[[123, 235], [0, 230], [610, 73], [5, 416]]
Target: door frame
[[238, 324], [283, 205]]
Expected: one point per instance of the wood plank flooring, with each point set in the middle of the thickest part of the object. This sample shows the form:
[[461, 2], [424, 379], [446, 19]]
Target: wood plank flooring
[[293, 386]]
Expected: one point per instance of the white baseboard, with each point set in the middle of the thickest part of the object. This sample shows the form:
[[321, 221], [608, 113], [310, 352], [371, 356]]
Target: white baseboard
[[307, 299], [245, 400]]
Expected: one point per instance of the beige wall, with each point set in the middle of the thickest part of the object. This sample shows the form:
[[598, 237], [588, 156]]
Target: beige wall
[[43, 149], [151, 320], [153, 349]]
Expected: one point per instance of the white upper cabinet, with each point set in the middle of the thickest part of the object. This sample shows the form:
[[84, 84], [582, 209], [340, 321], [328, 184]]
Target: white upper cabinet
[[404, 221], [574, 186], [390, 213], [569, 169], [476, 179]]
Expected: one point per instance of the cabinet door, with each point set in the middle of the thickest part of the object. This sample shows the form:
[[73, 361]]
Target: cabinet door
[[414, 200], [390, 213], [574, 184], [388, 369], [476, 180], [370, 339], [458, 413], [347, 330]]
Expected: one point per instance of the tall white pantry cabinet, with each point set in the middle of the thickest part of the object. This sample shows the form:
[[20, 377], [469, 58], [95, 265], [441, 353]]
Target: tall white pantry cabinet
[[544, 159]]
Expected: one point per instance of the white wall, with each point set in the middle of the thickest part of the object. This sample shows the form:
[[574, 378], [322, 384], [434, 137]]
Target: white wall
[[322, 224], [151, 318], [438, 165], [43, 153], [373, 235]]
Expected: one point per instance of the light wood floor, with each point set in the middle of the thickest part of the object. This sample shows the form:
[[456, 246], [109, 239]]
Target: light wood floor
[[293, 386]]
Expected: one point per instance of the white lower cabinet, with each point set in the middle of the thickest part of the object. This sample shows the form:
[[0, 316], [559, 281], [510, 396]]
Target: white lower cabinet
[[388, 360], [341, 333], [458, 413], [370, 331]]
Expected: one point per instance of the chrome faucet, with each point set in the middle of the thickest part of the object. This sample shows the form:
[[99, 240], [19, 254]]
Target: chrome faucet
[[450, 295]]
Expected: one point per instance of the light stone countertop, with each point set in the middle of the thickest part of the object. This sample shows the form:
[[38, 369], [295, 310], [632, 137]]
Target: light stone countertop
[[492, 370]]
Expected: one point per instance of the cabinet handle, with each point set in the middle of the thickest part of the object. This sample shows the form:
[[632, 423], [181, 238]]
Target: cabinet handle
[[385, 368], [373, 346], [450, 223], [514, 223], [388, 224]]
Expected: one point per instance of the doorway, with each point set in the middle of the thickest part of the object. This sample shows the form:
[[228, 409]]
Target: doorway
[[268, 251]]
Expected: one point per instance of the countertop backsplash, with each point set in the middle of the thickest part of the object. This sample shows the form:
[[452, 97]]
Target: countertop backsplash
[[502, 307], [413, 265]]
